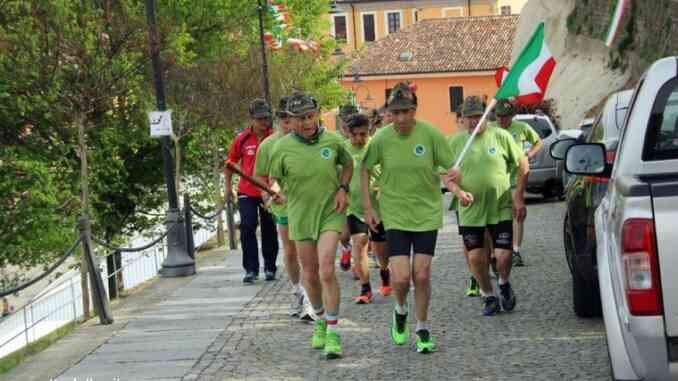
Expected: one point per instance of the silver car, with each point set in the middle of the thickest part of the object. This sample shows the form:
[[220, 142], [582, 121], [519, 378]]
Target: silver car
[[545, 174], [637, 251]]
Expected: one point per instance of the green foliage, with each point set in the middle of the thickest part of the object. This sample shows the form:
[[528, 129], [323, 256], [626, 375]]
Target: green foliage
[[32, 201], [68, 62]]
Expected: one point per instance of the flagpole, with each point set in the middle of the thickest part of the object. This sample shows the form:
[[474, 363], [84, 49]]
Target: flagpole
[[489, 109], [264, 68]]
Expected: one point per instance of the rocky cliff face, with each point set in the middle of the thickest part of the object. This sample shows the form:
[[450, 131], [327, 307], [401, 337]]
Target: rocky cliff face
[[583, 76], [587, 70]]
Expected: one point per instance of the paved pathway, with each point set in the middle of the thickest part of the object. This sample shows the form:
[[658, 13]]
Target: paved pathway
[[540, 340], [211, 327]]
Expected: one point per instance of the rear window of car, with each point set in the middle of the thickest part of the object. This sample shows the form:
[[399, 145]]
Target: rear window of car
[[661, 140], [540, 125]]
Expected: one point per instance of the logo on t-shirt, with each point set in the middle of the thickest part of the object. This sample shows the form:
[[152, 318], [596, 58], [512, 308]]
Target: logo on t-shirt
[[492, 151], [326, 153], [419, 149]]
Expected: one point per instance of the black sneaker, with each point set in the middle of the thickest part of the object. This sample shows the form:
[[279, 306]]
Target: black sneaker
[[517, 259], [249, 278], [270, 275], [508, 298], [491, 306]]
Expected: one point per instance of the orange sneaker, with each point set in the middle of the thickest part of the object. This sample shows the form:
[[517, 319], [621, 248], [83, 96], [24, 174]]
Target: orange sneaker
[[345, 259], [385, 290], [364, 298]]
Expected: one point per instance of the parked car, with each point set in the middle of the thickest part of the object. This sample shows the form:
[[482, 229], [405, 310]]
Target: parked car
[[545, 176], [636, 252], [583, 195]]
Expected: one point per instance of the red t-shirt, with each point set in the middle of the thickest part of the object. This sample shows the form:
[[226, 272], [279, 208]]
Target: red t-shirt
[[244, 152]]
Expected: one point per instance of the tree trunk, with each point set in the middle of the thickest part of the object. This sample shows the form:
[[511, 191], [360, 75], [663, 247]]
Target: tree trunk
[[84, 198]]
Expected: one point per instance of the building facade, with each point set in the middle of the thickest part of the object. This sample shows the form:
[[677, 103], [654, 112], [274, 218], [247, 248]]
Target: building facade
[[354, 23], [446, 58]]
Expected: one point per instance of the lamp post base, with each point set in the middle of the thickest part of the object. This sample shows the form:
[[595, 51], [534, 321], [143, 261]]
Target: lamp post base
[[178, 262]]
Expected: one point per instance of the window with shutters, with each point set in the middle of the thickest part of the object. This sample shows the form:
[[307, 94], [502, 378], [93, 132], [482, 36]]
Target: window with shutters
[[369, 31], [340, 30], [456, 98], [393, 21]]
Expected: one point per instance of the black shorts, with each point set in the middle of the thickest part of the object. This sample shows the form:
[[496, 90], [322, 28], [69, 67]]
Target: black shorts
[[502, 235], [355, 226], [402, 242]]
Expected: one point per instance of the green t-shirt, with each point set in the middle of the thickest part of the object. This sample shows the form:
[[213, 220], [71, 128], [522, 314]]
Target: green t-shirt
[[355, 200], [309, 175], [262, 167], [409, 185], [526, 137], [454, 205], [485, 174]]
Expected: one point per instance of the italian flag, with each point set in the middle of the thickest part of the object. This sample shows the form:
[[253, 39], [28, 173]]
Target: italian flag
[[530, 74], [615, 25]]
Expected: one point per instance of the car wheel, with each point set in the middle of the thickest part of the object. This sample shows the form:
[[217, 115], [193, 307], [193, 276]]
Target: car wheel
[[586, 297]]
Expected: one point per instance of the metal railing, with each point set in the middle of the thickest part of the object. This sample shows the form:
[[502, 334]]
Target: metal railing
[[61, 302]]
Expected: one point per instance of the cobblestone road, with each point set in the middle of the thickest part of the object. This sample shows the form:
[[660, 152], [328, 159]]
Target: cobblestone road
[[541, 340]]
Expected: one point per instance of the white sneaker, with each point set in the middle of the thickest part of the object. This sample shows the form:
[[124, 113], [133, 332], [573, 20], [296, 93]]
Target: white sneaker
[[306, 313]]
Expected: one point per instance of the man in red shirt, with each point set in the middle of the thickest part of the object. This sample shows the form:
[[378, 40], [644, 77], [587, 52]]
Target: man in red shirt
[[243, 152]]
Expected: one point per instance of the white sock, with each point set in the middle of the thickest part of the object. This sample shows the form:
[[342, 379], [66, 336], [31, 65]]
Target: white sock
[[332, 322], [296, 288], [516, 248], [401, 310], [423, 325], [486, 294], [502, 281]]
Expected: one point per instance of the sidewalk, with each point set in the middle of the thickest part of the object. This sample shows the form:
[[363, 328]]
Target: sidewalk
[[159, 332]]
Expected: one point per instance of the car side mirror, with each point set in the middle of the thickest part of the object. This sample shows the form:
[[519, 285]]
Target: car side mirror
[[587, 159], [559, 148]]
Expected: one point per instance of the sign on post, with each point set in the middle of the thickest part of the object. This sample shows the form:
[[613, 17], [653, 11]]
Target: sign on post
[[161, 123]]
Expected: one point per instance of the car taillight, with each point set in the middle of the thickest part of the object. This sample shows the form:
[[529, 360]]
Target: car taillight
[[641, 267]]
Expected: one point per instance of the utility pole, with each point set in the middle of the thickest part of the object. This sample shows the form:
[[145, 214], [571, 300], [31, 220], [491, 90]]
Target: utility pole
[[264, 66], [178, 262]]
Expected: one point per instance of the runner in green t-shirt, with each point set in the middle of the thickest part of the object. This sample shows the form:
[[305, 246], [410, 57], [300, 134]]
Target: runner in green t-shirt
[[409, 153], [345, 112], [305, 162], [359, 136], [483, 187], [300, 307], [530, 142]]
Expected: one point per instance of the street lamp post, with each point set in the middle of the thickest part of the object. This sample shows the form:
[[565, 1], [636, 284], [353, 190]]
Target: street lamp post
[[178, 262], [264, 66]]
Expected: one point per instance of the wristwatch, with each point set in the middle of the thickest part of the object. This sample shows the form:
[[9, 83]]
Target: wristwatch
[[344, 187]]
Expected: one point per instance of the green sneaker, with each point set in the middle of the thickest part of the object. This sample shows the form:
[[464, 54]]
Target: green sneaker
[[425, 343], [332, 345], [399, 330], [473, 288], [319, 333]]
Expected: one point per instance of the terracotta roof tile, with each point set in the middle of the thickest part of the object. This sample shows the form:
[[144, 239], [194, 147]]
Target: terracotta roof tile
[[457, 44]]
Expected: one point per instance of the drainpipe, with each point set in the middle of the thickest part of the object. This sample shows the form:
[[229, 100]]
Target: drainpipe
[[355, 34], [469, 8]]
